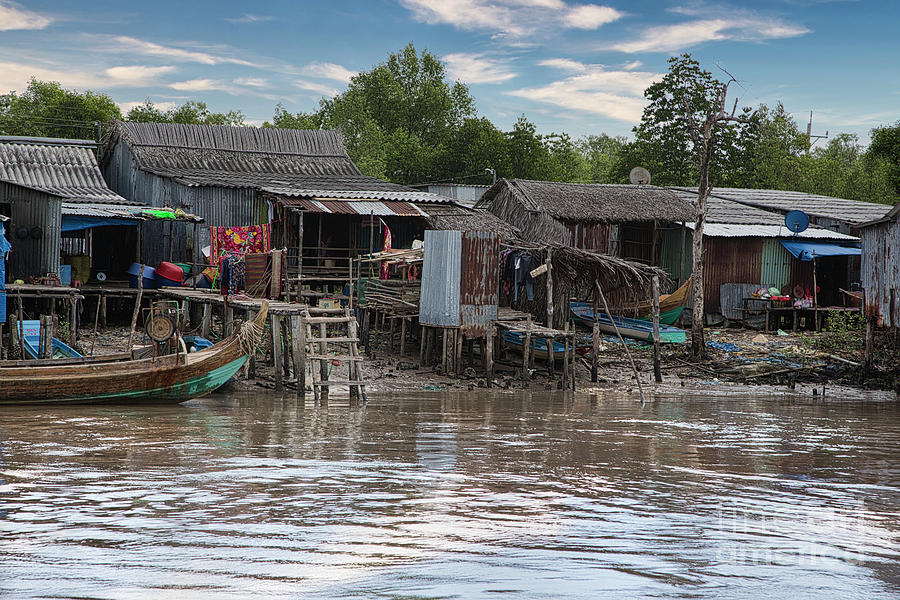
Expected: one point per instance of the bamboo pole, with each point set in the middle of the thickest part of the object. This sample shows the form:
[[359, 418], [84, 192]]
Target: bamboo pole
[[137, 308], [595, 342], [548, 262], [657, 372], [637, 376]]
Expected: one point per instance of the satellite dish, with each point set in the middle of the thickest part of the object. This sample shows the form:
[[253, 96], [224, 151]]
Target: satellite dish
[[639, 176], [101, 276], [796, 221]]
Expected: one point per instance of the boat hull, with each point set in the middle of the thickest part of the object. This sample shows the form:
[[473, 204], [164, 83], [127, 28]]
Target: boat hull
[[167, 379], [631, 328], [538, 345]]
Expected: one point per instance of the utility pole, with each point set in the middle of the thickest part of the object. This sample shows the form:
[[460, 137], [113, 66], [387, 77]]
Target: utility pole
[[810, 135]]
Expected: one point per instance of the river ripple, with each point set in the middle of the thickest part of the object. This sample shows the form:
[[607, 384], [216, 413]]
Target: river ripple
[[452, 495]]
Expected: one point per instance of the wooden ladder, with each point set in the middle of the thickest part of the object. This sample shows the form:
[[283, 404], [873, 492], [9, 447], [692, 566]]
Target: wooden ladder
[[320, 352]]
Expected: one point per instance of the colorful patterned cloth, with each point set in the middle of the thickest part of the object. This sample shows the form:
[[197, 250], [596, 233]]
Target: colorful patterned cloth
[[255, 239]]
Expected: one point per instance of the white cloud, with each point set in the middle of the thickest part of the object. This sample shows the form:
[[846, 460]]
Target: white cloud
[[153, 49], [476, 68], [743, 28], [15, 76], [318, 88], [198, 85], [632, 65], [513, 18], [12, 16], [135, 75], [613, 93], [564, 64], [248, 18], [591, 16], [327, 70], [251, 81]]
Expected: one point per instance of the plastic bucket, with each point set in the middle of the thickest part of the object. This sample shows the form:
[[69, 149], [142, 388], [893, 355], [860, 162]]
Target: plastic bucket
[[65, 275]]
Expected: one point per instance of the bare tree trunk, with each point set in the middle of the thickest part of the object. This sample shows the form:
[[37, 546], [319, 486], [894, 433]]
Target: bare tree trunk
[[698, 341]]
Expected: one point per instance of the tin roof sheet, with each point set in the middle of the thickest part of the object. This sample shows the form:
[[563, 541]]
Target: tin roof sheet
[[69, 172], [351, 190], [782, 201], [96, 209], [768, 231]]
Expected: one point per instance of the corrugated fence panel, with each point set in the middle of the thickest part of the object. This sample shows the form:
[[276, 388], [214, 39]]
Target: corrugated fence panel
[[776, 264], [671, 252], [439, 301], [480, 277], [729, 260]]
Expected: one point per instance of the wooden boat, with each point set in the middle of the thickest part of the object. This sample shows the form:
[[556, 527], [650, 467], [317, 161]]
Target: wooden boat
[[670, 306], [31, 337], [171, 378], [632, 328], [516, 339]]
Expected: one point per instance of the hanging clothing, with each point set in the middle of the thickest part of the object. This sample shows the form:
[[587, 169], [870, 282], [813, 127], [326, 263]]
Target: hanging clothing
[[386, 245], [255, 239], [231, 274], [524, 264]]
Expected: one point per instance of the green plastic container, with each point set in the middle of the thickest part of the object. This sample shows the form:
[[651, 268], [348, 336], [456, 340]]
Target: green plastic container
[[184, 267]]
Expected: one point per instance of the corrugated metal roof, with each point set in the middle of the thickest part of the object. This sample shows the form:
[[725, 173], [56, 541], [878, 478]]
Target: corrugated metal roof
[[94, 209], [389, 191], [782, 201], [64, 171], [355, 207], [720, 210], [768, 231], [163, 147]]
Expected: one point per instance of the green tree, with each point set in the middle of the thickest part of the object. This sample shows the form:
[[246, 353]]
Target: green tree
[[885, 148], [603, 155], [46, 109], [189, 113]]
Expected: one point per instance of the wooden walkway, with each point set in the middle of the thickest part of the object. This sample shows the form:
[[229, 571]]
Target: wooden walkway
[[285, 309]]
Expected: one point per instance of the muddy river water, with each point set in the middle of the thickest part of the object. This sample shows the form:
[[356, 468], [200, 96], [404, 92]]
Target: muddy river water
[[453, 495]]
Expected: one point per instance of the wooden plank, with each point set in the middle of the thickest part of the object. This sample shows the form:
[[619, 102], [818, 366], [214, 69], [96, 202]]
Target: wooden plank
[[489, 354], [298, 353], [324, 320], [73, 322], [323, 349], [329, 382], [337, 357], [251, 362]]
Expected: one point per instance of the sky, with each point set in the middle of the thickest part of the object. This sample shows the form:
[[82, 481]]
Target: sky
[[567, 65]]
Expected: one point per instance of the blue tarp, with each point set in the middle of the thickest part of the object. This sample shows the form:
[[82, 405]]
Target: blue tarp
[[806, 250], [77, 222], [5, 246]]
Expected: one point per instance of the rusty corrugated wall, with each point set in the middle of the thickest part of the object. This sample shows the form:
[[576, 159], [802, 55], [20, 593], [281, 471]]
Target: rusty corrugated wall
[[729, 260], [479, 281], [460, 280], [880, 271], [29, 209]]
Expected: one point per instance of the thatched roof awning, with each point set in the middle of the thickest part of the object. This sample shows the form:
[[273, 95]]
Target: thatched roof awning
[[579, 202]]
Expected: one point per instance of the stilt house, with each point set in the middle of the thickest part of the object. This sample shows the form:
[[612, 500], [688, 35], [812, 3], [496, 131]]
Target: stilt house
[[881, 268]]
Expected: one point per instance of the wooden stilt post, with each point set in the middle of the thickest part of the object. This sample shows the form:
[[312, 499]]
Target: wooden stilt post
[[229, 320], [13, 336], [323, 364], [548, 261], [402, 336], [137, 308], [276, 351], [422, 331], [286, 346], [489, 353], [300, 354], [551, 363], [595, 342], [47, 335], [206, 321], [526, 350], [815, 295], [102, 309], [20, 325], [296, 352], [251, 363], [565, 377], [657, 369], [73, 321], [96, 321], [870, 345], [458, 368]]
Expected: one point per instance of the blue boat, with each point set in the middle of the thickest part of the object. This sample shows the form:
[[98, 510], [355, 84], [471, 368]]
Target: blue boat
[[31, 339], [538, 345], [637, 329]]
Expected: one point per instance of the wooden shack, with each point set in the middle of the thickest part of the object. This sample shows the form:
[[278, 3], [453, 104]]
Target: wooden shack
[[619, 220], [880, 240]]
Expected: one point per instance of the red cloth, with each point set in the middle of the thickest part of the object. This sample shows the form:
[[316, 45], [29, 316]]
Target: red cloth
[[256, 239]]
